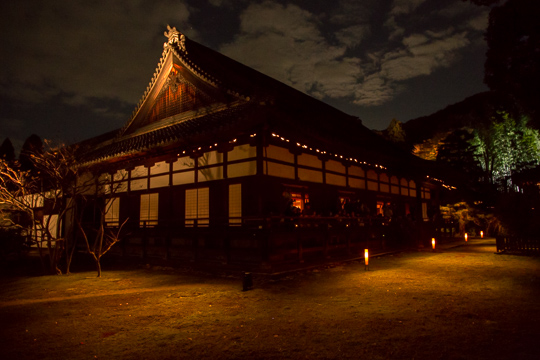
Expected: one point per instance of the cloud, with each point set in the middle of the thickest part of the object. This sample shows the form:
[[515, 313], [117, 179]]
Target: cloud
[[479, 22], [404, 7], [476, 17], [101, 54], [284, 42], [422, 55], [375, 90], [88, 49], [399, 8], [352, 36]]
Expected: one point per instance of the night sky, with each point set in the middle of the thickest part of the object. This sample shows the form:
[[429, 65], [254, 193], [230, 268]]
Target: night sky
[[73, 69]]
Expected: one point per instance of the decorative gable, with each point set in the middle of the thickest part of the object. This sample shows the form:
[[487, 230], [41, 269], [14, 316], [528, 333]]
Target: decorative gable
[[178, 95], [178, 88]]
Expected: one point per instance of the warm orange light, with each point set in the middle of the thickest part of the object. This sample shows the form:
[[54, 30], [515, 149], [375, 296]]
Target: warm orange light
[[433, 243], [482, 234], [466, 237], [366, 257]]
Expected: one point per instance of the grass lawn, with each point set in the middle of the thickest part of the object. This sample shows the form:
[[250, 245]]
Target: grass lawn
[[461, 303]]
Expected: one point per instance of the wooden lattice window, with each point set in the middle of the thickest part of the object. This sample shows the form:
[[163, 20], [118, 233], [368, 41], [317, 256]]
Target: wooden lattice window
[[235, 204], [149, 209], [197, 207], [112, 212]]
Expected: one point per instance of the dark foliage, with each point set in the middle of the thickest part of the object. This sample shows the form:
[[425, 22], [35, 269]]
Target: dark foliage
[[474, 111], [484, 2], [32, 146], [7, 151], [457, 151], [513, 58]]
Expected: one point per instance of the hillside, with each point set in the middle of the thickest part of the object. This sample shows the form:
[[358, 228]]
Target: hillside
[[471, 112]]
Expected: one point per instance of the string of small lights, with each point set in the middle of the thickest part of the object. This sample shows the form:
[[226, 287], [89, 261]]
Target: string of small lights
[[448, 187], [339, 156]]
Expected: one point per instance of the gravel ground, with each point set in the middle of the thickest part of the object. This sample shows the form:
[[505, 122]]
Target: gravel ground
[[462, 302]]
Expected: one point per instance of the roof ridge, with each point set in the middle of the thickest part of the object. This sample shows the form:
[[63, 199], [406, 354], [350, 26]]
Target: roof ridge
[[117, 143], [143, 98], [176, 37], [176, 44]]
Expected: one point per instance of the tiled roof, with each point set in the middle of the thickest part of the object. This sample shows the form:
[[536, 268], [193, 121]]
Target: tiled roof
[[259, 99], [181, 134]]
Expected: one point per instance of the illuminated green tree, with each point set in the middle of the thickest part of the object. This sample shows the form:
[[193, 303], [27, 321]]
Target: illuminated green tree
[[506, 147]]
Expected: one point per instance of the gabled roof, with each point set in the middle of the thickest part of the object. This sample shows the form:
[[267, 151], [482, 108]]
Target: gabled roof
[[197, 93]]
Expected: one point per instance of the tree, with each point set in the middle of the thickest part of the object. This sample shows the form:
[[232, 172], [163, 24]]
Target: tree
[[13, 220], [506, 147], [7, 151], [512, 64], [484, 2], [18, 191], [54, 192], [42, 189], [101, 200], [32, 146], [395, 132], [429, 148], [458, 151]]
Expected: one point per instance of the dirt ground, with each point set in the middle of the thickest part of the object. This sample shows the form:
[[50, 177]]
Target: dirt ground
[[464, 302]]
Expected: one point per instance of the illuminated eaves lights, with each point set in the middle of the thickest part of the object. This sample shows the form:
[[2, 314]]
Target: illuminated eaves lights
[[304, 146]]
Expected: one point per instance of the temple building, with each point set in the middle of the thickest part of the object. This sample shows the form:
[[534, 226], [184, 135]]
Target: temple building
[[221, 163]]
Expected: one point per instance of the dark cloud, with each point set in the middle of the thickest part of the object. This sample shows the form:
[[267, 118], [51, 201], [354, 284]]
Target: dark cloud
[[78, 67], [78, 52], [287, 42]]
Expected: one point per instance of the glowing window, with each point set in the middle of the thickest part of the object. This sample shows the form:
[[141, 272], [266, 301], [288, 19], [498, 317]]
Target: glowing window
[[299, 200], [210, 158], [149, 209], [183, 163], [309, 160], [242, 169], [197, 207], [334, 179], [279, 153], [357, 183], [159, 168], [159, 181], [279, 170], [357, 171], [187, 177], [235, 204], [373, 185], [310, 175], [242, 152], [139, 171], [211, 173], [112, 212], [371, 174], [380, 206], [336, 166]]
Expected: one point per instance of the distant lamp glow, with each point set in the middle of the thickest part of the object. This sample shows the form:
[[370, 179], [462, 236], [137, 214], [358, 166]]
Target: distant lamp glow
[[466, 237], [433, 243], [482, 234], [366, 259]]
